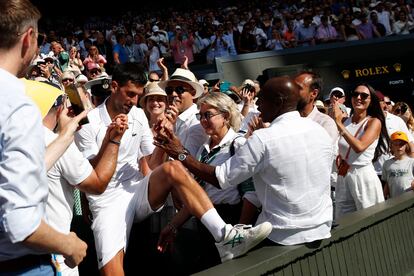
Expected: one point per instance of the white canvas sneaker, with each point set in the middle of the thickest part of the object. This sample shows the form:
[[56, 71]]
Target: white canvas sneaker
[[241, 238]]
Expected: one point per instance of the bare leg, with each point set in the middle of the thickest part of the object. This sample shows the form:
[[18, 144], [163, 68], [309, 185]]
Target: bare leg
[[115, 266], [173, 176]]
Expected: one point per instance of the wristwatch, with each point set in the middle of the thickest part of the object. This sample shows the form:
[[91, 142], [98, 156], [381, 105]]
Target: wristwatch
[[183, 155]]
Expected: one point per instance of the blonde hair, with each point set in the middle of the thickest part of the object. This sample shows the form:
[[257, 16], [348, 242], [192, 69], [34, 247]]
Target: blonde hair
[[224, 104]]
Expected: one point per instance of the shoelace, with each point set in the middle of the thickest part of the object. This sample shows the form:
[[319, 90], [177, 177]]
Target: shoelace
[[242, 226]]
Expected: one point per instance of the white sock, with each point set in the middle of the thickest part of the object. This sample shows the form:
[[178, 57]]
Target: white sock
[[214, 223]]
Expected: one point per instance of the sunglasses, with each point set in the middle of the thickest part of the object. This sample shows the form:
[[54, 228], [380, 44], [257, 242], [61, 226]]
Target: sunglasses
[[60, 100], [152, 80], [337, 94], [70, 80], [94, 72], [363, 95], [387, 103], [401, 110], [178, 89], [206, 115]]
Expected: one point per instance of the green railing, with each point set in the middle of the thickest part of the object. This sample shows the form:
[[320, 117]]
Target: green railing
[[375, 241]]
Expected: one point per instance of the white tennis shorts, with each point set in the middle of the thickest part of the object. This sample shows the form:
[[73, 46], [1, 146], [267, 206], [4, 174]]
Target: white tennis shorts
[[112, 223]]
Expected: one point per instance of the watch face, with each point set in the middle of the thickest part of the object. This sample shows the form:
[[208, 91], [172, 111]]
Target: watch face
[[182, 156]]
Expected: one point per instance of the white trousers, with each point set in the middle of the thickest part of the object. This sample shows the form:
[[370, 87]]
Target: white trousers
[[360, 188]]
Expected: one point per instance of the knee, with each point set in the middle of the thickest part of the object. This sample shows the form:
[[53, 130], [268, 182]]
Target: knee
[[174, 170]]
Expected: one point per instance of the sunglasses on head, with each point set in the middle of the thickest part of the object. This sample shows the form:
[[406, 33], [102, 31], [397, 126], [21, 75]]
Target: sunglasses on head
[[401, 109], [363, 95], [178, 89]]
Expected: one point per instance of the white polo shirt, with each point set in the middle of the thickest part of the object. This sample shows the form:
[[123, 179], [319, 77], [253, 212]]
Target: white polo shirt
[[291, 164], [70, 170], [393, 123], [219, 196], [135, 143]]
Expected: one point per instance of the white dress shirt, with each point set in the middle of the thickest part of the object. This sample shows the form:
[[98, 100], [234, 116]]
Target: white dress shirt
[[326, 122], [291, 165], [189, 130], [23, 184]]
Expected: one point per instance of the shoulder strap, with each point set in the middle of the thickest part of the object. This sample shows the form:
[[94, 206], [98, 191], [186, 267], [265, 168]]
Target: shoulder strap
[[232, 149], [356, 134]]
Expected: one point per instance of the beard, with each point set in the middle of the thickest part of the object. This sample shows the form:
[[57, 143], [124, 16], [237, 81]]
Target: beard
[[301, 104]]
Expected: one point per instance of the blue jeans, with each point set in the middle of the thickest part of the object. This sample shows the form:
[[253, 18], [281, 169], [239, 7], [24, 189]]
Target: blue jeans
[[42, 269]]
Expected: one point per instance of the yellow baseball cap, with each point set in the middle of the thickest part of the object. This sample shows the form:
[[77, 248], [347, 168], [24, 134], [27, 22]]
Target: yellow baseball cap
[[399, 135], [42, 94]]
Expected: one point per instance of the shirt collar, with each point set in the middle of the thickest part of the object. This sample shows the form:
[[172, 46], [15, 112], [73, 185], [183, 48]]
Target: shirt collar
[[103, 111], [286, 116], [188, 113], [227, 139], [313, 113]]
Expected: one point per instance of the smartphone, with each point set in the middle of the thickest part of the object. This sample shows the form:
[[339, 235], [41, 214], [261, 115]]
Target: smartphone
[[78, 100], [224, 86]]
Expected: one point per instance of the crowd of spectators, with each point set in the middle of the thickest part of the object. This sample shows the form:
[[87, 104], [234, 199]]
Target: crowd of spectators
[[203, 35]]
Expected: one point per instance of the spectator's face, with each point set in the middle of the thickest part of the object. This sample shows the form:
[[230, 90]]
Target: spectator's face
[[101, 38], [156, 104], [94, 73], [387, 102], [398, 147], [180, 94], [307, 95], [56, 49], [337, 96], [125, 97], [361, 98], [153, 77], [212, 120]]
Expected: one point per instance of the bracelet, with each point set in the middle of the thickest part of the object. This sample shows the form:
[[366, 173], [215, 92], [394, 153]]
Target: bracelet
[[115, 142], [173, 228]]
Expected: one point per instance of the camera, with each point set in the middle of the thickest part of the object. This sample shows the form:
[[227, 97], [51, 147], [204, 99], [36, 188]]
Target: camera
[[249, 87]]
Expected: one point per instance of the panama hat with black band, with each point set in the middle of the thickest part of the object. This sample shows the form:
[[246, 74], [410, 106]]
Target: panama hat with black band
[[185, 76]]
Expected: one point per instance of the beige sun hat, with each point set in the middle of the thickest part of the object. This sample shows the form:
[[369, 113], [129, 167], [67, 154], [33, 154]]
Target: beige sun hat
[[151, 89], [186, 76]]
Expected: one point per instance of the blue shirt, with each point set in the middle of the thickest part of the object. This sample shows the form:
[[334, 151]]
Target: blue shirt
[[23, 183], [121, 51]]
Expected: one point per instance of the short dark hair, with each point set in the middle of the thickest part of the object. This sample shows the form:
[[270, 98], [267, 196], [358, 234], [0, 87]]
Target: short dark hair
[[15, 16], [129, 71], [317, 82]]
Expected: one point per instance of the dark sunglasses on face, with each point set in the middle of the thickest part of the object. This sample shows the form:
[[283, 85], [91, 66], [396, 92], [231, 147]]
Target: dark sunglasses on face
[[178, 89], [71, 80], [152, 80], [337, 94], [401, 110], [94, 72], [387, 103], [363, 95], [207, 115]]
